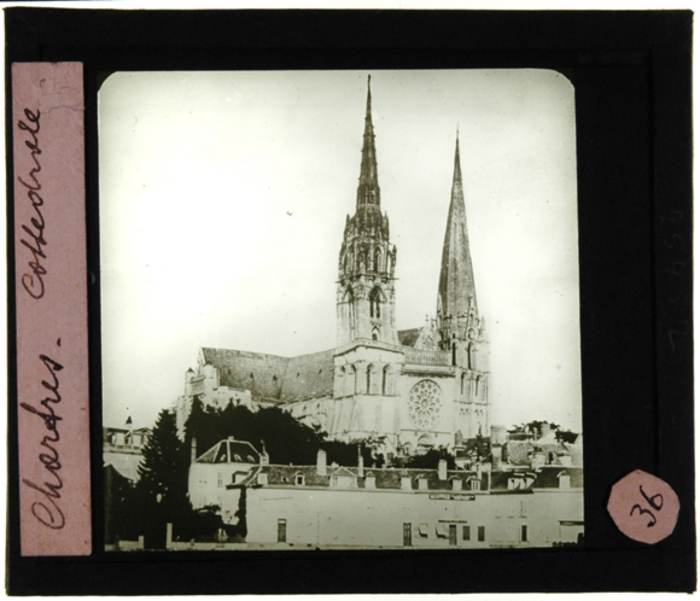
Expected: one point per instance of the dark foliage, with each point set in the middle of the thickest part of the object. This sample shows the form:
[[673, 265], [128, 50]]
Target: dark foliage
[[242, 525], [566, 436], [346, 454], [286, 439], [160, 496], [430, 460]]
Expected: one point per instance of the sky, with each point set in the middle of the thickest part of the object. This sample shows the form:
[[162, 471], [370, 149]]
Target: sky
[[223, 197]]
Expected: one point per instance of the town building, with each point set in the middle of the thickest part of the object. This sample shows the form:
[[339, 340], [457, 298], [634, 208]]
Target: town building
[[122, 448], [407, 390], [326, 506]]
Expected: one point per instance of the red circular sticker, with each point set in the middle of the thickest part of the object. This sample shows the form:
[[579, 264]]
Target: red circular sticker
[[644, 507]]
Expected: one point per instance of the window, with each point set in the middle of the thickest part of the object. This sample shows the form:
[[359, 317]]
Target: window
[[377, 259], [523, 533], [453, 535], [299, 480], [481, 534], [219, 480], [281, 531], [238, 458], [375, 301], [466, 532], [476, 485]]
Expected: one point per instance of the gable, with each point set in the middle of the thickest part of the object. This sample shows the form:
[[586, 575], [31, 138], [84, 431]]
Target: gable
[[408, 337]]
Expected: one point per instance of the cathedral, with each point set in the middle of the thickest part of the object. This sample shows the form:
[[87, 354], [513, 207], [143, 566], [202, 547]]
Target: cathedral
[[405, 390]]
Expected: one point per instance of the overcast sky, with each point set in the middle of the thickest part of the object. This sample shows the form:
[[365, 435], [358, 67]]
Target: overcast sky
[[223, 199]]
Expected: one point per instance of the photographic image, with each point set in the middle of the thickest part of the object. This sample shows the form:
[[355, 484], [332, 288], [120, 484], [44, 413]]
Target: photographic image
[[340, 310]]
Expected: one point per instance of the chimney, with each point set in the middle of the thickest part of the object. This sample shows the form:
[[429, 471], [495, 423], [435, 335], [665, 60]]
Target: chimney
[[264, 457], [360, 463], [496, 457], [565, 460], [537, 460], [193, 450], [545, 429], [442, 469], [321, 462], [499, 435]]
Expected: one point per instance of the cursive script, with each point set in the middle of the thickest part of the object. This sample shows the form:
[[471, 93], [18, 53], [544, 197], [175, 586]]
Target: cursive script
[[33, 281], [47, 510]]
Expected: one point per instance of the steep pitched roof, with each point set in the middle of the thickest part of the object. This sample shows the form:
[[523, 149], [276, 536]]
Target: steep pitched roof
[[274, 377], [260, 373], [230, 451], [308, 376]]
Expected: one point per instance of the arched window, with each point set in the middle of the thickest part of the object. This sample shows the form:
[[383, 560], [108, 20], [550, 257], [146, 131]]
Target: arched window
[[364, 258], [477, 386], [377, 259], [350, 381], [350, 302], [375, 302], [370, 367], [385, 380], [464, 383], [340, 382]]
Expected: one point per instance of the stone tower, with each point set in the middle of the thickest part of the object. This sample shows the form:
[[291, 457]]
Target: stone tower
[[365, 302], [460, 327]]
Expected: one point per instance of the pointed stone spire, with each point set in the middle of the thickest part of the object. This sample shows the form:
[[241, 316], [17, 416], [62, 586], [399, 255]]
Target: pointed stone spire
[[456, 293], [368, 188]]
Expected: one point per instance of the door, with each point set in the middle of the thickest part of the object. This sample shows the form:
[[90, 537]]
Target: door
[[453, 535], [407, 535], [281, 531]]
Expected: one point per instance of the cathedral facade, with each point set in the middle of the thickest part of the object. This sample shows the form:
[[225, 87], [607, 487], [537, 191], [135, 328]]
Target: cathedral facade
[[406, 390]]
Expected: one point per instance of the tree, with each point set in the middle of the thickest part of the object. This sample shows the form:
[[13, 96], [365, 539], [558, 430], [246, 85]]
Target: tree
[[161, 491], [196, 427], [163, 470], [344, 453], [430, 460], [242, 526]]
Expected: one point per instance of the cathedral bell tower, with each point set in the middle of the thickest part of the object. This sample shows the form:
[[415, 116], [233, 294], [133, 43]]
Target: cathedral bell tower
[[365, 302], [460, 327]]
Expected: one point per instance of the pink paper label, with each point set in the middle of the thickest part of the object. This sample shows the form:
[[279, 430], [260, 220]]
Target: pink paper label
[[51, 295], [644, 507]]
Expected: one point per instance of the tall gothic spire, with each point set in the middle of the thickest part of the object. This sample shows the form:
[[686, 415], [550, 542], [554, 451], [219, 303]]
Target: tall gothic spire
[[368, 188], [456, 293]]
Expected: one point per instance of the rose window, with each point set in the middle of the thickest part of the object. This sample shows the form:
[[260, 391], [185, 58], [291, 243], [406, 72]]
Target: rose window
[[424, 404]]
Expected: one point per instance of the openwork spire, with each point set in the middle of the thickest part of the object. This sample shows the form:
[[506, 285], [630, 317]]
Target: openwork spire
[[368, 188], [456, 293]]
